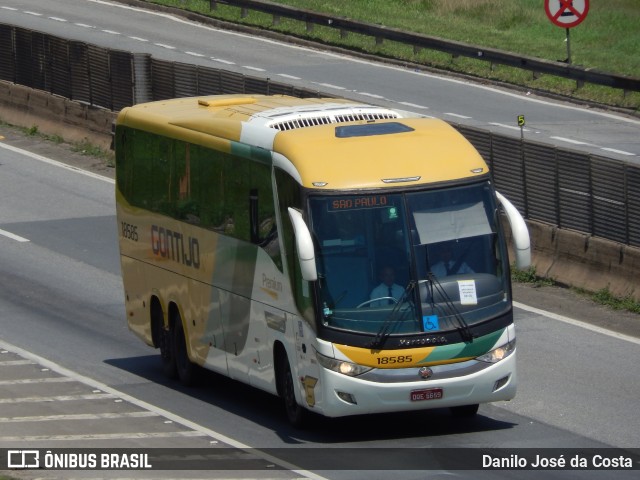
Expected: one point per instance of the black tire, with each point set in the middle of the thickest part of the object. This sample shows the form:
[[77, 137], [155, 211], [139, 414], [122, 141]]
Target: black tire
[[167, 354], [465, 411], [162, 339], [296, 414], [186, 370]]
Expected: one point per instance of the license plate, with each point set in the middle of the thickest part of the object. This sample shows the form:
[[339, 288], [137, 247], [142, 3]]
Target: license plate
[[427, 394]]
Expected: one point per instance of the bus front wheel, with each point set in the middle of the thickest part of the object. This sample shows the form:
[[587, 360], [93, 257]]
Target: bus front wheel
[[295, 413]]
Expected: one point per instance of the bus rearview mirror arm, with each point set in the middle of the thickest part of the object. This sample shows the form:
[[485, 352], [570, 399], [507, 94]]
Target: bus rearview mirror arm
[[304, 245], [519, 231]]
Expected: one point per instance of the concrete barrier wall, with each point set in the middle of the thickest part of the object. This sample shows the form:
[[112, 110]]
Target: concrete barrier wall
[[55, 115], [580, 260], [569, 257]]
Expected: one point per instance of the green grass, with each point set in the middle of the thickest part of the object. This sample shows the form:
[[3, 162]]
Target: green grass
[[84, 147], [529, 276], [607, 40], [605, 297], [602, 297], [34, 131]]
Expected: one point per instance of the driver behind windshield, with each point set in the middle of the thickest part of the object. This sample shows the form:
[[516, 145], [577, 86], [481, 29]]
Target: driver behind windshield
[[388, 292]]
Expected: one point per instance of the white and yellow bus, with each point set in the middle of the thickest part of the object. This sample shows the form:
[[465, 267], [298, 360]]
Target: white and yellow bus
[[254, 231]]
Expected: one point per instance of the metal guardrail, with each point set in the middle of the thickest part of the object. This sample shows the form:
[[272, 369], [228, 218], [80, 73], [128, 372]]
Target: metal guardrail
[[561, 187], [579, 74]]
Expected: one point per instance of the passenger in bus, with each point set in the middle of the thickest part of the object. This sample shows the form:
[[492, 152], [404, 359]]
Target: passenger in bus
[[388, 292], [448, 264]]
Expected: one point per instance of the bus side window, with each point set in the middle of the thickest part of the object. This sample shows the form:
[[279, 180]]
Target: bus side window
[[262, 228]]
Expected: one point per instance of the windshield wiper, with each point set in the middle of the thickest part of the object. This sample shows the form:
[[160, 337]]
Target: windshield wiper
[[463, 326], [392, 319]]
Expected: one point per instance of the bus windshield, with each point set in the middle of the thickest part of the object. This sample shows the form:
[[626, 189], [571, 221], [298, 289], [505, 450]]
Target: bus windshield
[[412, 262]]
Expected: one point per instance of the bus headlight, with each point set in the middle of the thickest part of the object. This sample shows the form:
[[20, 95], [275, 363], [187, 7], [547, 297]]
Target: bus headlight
[[499, 353], [341, 366]]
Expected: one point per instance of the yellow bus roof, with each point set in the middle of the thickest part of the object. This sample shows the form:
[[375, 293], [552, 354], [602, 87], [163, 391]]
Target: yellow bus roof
[[305, 134]]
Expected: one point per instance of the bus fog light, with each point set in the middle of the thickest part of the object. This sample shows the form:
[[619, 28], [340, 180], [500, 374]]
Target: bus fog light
[[341, 366], [500, 383], [347, 397], [499, 353]]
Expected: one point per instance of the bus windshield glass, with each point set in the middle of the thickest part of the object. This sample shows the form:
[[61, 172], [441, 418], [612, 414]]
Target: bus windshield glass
[[422, 261]]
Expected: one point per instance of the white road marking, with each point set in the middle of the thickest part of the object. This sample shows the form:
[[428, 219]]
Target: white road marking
[[58, 398], [35, 14], [196, 430], [510, 127], [372, 95], [164, 45], [413, 105], [55, 163], [368, 62], [329, 85], [31, 381], [101, 436], [284, 75], [13, 236], [256, 69], [83, 25], [221, 60], [11, 363], [195, 54], [58, 19], [457, 115], [139, 39], [110, 32], [79, 416], [578, 323], [569, 140], [621, 152]]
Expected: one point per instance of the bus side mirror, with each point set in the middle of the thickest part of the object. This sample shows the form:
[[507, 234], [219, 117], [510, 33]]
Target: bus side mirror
[[304, 245], [520, 233]]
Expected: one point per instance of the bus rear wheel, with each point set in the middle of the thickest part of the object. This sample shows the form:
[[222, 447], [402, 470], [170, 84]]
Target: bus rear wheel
[[185, 369], [162, 339], [167, 355]]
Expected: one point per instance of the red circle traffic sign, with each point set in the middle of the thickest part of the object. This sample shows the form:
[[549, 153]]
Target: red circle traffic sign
[[566, 13]]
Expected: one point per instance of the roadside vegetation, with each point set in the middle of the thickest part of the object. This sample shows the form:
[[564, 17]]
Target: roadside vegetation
[[84, 147], [602, 297], [607, 40], [530, 276]]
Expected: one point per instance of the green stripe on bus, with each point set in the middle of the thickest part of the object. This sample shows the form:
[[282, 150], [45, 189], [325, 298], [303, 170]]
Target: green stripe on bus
[[478, 347]]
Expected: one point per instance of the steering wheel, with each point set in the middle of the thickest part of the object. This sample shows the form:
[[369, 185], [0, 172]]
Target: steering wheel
[[377, 300]]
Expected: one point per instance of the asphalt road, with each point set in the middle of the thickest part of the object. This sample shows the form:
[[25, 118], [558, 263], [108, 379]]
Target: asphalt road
[[119, 26], [62, 311]]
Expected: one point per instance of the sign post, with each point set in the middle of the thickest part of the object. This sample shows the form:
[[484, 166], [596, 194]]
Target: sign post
[[521, 123], [566, 14]]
